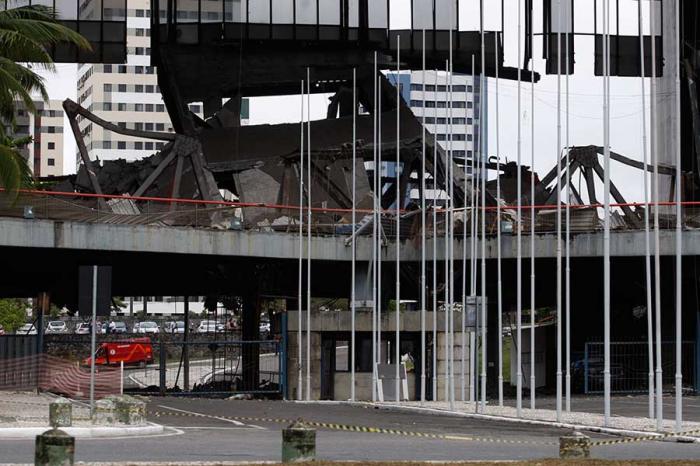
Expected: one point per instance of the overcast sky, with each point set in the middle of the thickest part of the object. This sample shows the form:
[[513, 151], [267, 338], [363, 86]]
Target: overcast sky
[[585, 104]]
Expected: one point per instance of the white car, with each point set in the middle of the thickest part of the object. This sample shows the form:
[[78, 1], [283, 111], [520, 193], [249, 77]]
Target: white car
[[83, 328], [26, 329], [175, 327], [207, 326], [148, 327], [56, 326]]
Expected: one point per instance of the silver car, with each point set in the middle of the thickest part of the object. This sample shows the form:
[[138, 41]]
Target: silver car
[[148, 327], [56, 326], [26, 329]]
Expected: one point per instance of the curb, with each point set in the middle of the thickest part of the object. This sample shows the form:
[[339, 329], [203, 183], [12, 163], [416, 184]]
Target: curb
[[492, 417], [84, 432]]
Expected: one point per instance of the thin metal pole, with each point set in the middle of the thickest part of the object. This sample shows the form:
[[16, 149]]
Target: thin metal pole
[[353, 308], [375, 236], [300, 298], [519, 260], [647, 239], [446, 210], [559, 274], [93, 338], [422, 258], [483, 176], [451, 237], [679, 225], [397, 308], [308, 236], [567, 270], [462, 375], [435, 234], [657, 247], [380, 229], [498, 234], [606, 202], [472, 245], [533, 216]]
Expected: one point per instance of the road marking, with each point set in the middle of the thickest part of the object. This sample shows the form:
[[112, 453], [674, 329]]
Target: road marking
[[223, 419]]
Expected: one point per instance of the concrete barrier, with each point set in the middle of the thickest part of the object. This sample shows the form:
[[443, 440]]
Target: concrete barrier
[[574, 446], [130, 411], [105, 412], [298, 443], [54, 448], [61, 413]]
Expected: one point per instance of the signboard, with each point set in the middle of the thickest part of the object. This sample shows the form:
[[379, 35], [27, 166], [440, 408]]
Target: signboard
[[104, 290]]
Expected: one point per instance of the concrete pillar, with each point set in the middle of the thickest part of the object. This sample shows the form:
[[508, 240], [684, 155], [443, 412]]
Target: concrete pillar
[[60, 413], [105, 412], [54, 448], [250, 353], [130, 411], [298, 443], [574, 446]]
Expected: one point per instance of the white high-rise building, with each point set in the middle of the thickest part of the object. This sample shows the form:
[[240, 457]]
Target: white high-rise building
[[45, 153], [127, 94]]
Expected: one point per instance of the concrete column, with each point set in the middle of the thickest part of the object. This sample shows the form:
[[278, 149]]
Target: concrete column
[[298, 443], [60, 413], [251, 332], [54, 448]]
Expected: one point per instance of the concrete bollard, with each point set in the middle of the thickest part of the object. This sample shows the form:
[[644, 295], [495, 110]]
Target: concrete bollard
[[130, 411], [54, 448], [61, 413], [575, 446], [298, 443], [105, 412]]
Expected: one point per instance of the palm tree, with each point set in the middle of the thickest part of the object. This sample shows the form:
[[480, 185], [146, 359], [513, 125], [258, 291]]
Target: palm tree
[[26, 36]]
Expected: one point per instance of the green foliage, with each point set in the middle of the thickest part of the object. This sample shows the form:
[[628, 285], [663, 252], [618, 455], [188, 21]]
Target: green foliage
[[26, 35], [54, 311], [13, 313]]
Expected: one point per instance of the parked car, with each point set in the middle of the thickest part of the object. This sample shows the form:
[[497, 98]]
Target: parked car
[[208, 326], [175, 327], [56, 326], [114, 327], [26, 329], [148, 327], [83, 328]]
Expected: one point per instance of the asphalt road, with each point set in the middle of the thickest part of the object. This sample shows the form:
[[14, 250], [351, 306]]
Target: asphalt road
[[210, 438]]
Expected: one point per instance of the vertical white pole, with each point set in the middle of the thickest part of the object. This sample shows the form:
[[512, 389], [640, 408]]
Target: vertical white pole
[[422, 257], [380, 229], [559, 274], [121, 378], [309, 182], [375, 236], [300, 298], [679, 225], [446, 209], [484, 178], [474, 215], [567, 271], [519, 259], [647, 239], [657, 251], [451, 227], [606, 230], [435, 234], [462, 375], [93, 330], [354, 243], [397, 309], [533, 216], [498, 233]]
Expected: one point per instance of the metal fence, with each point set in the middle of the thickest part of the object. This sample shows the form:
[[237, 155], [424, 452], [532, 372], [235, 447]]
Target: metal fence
[[629, 366]]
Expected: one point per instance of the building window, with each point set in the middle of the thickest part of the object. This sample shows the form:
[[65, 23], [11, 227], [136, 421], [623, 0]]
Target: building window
[[138, 145], [160, 126], [142, 13], [139, 126], [138, 88], [160, 107], [51, 162], [121, 87], [149, 89], [51, 129], [121, 107], [106, 144], [122, 69], [149, 146], [107, 106], [52, 145], [108, 88], [138, 107], [149, 126], [107, 68], [342, 363], [149, 107], [121, 145]]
